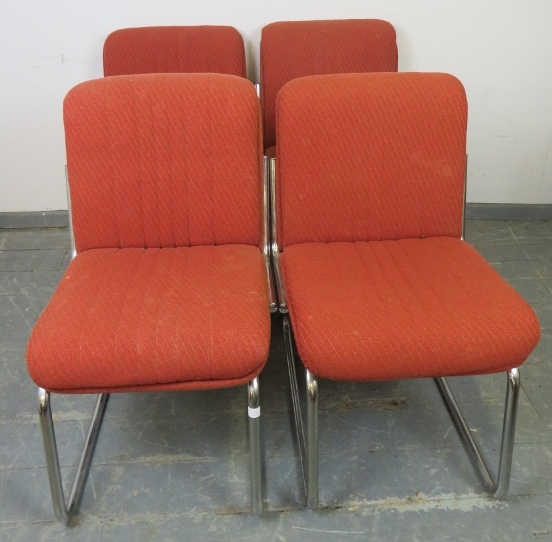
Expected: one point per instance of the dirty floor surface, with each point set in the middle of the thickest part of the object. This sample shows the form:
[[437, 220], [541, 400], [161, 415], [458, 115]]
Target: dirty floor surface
[[174, 466]]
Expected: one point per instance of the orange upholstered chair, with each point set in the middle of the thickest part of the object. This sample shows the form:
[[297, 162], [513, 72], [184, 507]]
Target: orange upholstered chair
[[378, 281], [292, 49], [174, 49], [168, 287]]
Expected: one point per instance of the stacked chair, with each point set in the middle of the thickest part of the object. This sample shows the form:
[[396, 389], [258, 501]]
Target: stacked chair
[[176, 233]]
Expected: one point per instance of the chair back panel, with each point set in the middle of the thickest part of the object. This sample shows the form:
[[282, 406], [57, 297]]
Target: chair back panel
[[164, 160], [292, 49], [174, 49], [364, 157]]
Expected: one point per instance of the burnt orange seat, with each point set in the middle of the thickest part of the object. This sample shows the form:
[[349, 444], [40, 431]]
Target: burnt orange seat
[[377, 280], [123, 321], [292, 49], [168, 287], [174, 49]]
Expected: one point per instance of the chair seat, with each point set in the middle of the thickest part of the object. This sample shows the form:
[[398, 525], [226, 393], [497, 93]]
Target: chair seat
[[136, 319], [403, 309]]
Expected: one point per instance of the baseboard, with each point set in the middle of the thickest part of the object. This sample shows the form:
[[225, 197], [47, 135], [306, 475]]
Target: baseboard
[[474, 211], [37, 219], [508, 211]]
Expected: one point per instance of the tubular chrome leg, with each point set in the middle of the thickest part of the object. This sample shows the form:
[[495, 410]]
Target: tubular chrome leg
[[254, 413], [64, 512], [267, 243], [508, 433], [296, 402], [308, 444], [312, 440], [499, 488], [275, 249]]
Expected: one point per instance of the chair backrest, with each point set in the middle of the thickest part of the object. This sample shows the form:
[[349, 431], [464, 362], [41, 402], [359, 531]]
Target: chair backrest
[[164, 160], [366, 157], [291, 49], [175, 49]]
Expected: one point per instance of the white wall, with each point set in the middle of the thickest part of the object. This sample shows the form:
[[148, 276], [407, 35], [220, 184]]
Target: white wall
[[501, 50]]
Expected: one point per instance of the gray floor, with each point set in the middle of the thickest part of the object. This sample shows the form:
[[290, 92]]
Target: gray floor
[[174, 466]]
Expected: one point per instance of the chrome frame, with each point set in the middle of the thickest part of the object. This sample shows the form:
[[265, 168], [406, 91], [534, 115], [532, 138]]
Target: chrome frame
[[65, 511], [271, 170], [499, 488], [254, 414], [308, 442], [273, 305]]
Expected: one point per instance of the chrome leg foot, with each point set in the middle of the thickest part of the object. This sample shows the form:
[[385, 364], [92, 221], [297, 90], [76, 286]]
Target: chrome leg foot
[[254, 413], [62, 511], [499, 488]]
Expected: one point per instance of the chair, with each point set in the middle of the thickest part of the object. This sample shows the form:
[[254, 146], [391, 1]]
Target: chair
[[292, 49], [174, 49], [168, 286], [378, 282]]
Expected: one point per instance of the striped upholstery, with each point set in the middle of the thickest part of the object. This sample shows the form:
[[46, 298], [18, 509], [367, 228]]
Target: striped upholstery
[[154, 319], [294, 49], [174, 49], [370, 184], [147, 171], [410, 308], [364, 157], [169, 288]]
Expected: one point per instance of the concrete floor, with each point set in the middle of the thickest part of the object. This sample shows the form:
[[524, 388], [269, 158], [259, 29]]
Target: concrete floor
[[174, 466]]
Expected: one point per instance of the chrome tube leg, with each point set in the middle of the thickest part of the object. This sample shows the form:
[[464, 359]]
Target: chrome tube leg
[[295, 400], [312, 440], [64, 512], [465, 433], [254, 414], [275, 249], [50, 451], [87, 452], [267, 243], [499, 488], [508, 433], [308, 443]]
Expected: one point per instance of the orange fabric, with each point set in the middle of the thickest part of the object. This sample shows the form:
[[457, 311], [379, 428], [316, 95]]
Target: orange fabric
[[292, 49], [174, 49], [363, 157], [145, 319], [403, 309], [164, 160]]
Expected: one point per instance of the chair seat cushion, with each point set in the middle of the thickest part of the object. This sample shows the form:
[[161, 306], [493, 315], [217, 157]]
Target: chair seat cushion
[[147, 319], [402, 309]]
